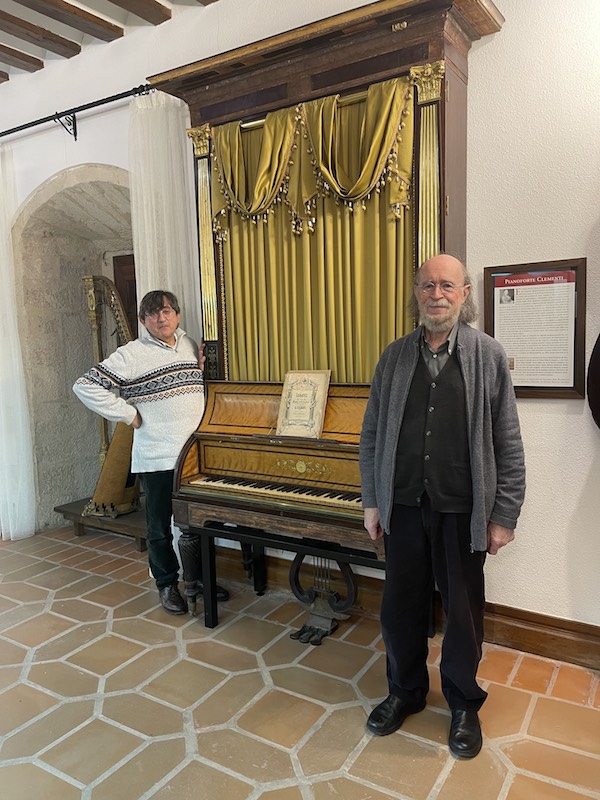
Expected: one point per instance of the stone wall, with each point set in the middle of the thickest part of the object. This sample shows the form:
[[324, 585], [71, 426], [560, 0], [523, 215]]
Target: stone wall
[[56, 341]]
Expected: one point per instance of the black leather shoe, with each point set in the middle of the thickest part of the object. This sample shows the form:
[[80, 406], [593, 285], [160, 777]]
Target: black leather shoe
[[171, 600], [222, 594], [388, 716], [465, 734]]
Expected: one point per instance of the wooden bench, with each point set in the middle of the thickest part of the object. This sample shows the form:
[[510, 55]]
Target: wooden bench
[[132, 524]]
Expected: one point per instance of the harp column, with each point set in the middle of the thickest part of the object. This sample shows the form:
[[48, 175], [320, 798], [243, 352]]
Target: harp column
[[210, 278], [428, 81]]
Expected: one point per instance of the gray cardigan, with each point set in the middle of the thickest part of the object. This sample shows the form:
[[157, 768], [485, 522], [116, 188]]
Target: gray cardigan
[[495, 446]]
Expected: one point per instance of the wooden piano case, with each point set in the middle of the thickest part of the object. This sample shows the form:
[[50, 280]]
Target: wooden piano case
[[235, 445]]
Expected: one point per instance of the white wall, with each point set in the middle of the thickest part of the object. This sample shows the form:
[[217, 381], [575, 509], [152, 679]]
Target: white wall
[[534, 170], [533, 194], [106, 69]]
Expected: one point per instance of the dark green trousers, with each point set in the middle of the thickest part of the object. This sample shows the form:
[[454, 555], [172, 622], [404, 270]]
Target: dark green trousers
[[158, 488]]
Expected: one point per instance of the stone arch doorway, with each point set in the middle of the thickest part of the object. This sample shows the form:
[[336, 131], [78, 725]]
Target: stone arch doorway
[[70, 226]]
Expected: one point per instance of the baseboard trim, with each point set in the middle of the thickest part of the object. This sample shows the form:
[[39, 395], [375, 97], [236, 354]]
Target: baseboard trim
[[551, 637]]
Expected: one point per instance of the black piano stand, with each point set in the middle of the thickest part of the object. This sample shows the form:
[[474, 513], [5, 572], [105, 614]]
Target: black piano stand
[[255, 564], [199, 574], [197, 550]]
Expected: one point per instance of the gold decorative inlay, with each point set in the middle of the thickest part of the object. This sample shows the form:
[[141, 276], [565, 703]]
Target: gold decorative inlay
[[201, 139], [308, 468], [399, 26], [428, 80]]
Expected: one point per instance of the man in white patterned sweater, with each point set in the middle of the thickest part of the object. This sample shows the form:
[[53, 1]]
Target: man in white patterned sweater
[[156, 384]]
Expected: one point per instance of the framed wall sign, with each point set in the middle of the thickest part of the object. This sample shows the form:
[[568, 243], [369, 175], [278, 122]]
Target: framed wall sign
[[537, 313]]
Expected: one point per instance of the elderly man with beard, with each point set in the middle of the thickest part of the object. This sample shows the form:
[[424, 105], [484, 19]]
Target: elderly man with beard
[[443, 481]]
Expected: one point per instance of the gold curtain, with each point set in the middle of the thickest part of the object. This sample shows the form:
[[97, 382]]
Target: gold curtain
[[314, 218]]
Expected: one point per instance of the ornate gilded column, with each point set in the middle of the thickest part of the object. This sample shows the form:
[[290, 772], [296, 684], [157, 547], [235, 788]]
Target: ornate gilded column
[[208, 279], [102, 296], [428, 82], [94, 312]]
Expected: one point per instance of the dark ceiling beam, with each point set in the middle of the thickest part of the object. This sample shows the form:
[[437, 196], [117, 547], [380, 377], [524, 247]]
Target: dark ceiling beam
[[3, 76], [15, 58], [75, 17], [33, 34], [150, 10]]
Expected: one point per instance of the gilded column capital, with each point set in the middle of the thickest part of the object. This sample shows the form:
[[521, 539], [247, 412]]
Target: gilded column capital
[[201, 139], [428, 80]]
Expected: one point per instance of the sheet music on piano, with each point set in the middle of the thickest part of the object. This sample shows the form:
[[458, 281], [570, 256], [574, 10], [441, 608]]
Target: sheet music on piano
[[303, 403]]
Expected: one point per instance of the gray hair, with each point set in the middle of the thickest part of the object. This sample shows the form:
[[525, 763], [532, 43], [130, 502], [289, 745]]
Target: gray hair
[[468, 310]]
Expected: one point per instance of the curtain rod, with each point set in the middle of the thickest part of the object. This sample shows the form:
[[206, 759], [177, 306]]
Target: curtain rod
[[345, 100], [68, 118]]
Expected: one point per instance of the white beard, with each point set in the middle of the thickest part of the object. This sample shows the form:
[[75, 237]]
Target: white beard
[[436, 324]]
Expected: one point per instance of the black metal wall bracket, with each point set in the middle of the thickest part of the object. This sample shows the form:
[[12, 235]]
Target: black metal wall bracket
[[69, 123]]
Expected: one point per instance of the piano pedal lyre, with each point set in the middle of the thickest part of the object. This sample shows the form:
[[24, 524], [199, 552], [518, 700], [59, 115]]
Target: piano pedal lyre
[[324, 604]]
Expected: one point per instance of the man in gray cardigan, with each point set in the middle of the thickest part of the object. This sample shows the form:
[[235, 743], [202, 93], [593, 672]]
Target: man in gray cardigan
[[443, 481]]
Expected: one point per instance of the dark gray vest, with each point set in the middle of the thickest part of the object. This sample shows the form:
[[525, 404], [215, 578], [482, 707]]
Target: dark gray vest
[[433, 447]]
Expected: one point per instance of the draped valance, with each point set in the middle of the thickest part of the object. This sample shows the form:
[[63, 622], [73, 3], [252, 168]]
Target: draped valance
[[326, 147]]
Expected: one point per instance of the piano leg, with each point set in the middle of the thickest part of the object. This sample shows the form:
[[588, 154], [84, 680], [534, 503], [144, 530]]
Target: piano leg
[[199, 573], [255, 565], [209, 579], [260, 569], [190, 551]]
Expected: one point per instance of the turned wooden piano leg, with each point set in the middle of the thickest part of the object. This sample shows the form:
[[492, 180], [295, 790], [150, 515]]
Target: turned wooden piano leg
[[190, 550]]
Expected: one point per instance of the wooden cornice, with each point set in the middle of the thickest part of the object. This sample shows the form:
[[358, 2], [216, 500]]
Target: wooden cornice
[[343, 53], [34, 34], [482, 16], [75, 17]]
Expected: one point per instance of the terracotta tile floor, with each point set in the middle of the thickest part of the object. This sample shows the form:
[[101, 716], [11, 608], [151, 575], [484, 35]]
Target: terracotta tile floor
[[105, 697]]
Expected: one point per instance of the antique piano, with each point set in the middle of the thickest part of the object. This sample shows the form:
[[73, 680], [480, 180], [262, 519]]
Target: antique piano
[[235, 479]]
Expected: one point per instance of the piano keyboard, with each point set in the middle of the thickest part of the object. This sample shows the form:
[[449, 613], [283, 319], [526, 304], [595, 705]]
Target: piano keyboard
[[265, 490]]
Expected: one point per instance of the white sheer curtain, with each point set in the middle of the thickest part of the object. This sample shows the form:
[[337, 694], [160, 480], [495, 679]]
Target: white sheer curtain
[[163, 204], [17, 483]]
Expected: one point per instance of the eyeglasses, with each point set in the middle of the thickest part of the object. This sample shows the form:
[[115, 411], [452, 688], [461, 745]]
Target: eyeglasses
[[166, 311], [446, 287]]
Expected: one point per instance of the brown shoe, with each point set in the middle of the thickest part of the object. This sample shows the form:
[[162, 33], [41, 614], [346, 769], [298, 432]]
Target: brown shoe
[[171, 600]]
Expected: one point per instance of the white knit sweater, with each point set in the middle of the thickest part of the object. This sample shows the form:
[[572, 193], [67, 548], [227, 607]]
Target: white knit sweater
[[163, 383]]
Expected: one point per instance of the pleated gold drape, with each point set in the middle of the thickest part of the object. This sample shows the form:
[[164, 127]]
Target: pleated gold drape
[[313, 214]]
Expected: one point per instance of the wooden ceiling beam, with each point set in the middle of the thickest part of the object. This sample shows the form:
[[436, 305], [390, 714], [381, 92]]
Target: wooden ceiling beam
[[40, 37], [15, 58], [150, 10], [75, 17], [3, 76]]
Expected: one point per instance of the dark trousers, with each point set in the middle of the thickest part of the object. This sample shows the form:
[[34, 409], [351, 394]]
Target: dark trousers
[[158, 488], [424, 548]]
